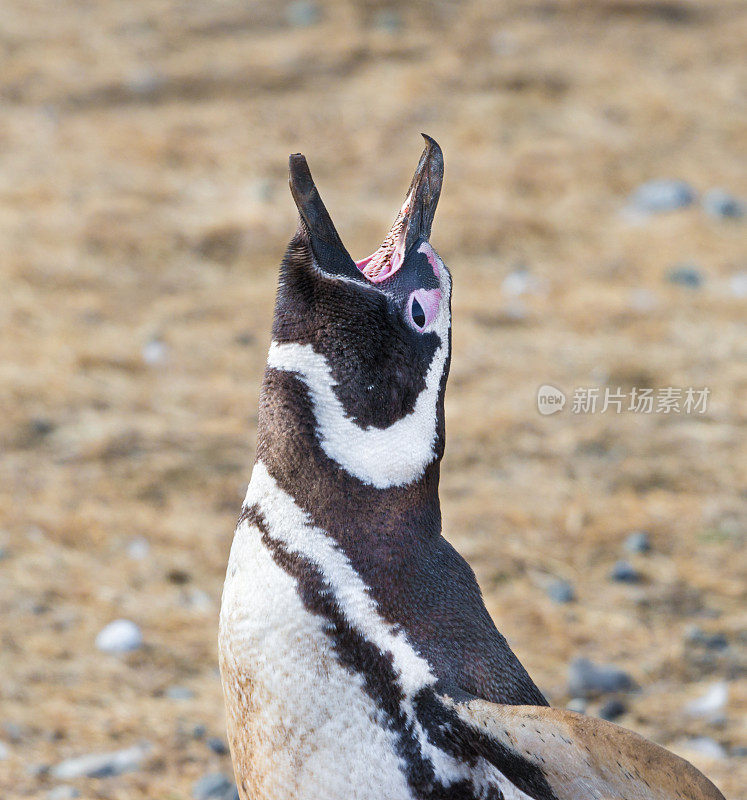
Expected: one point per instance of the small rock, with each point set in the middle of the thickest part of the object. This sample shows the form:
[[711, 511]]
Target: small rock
[[138, 548], [179, 693], [245, 338], [577, 704], [519, 282], [214, 785], [560, 591], [302, 14], [217, 745], [101, 765], [738, 284], [638, 542], [686, 275], [154, 352], [63, 793], [388, 20], [120, 636], [643, 301], [612, 710], [712, 703], [720, 204], [586, 679], [625, 572], [199, 731], [706, 746], [711, 641], [13, 731], [657, 196], [4, 751]]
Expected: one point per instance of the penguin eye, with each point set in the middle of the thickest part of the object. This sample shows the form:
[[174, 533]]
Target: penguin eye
[[417, 313]]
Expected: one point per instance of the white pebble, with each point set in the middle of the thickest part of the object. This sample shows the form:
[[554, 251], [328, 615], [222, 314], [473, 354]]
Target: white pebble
[[120, 636], [711, 703]]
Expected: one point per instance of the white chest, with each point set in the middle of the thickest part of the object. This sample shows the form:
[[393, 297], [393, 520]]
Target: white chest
[[300, 724]]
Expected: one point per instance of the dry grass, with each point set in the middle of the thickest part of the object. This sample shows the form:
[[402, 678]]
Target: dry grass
[[142, 195]]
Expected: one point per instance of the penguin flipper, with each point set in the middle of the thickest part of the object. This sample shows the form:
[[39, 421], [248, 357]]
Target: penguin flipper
[[581, 758]]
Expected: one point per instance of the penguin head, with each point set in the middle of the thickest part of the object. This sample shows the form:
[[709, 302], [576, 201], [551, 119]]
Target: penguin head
[[369, 340]]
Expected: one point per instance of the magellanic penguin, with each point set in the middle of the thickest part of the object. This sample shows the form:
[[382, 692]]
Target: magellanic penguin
[[357, 657]]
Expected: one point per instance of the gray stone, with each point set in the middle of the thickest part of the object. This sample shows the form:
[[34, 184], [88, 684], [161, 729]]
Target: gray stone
[[155, 352], [687, 275], [179, 693], [586, 679], [138, 548], [738, 284], [711, 704], [217, 745], [214, 785], [63, 793], [613, 709], [625, 572], [657, 196], [711, 641], [120, 636], [560, 591], [638, 542], [577, 704], [303, 13], [101, 765], [707, 747], [720, 204]]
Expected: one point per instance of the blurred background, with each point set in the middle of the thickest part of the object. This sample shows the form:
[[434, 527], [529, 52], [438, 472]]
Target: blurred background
[[593, 218]]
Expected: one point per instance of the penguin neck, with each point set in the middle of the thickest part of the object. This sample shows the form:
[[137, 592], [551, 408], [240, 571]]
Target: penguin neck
[[353, 511]]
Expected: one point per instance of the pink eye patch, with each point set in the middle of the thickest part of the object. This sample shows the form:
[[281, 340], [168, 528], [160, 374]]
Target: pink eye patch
[[422, 307]]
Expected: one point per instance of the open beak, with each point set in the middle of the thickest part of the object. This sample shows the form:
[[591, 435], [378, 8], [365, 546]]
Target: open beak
[[414, 219]]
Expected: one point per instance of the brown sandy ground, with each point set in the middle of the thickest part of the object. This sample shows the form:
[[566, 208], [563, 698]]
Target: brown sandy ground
[[143, 212]]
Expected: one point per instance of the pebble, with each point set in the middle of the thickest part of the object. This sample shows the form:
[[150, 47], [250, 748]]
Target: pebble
[[101, 765], [643, 301], [657, 196], [302, 14], [138, 548], [520, 282], [738, 284], [179, 693], [214, 785], [625, 572], [560, 591], [217, 745], [13, 731], [63, 793], [577, 704], [712, 703], [711, 641], [199, 731], [154, 352], [638, 542], [720, 204], [388, 20], [120, 636], [706, 746], [686, 275], [586, 679], [612, 710]]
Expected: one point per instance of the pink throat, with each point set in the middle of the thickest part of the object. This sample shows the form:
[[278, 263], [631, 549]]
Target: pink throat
[[385, 261]]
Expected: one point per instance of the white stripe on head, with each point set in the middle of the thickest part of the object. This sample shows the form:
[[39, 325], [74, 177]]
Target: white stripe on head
[[382, 457]]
